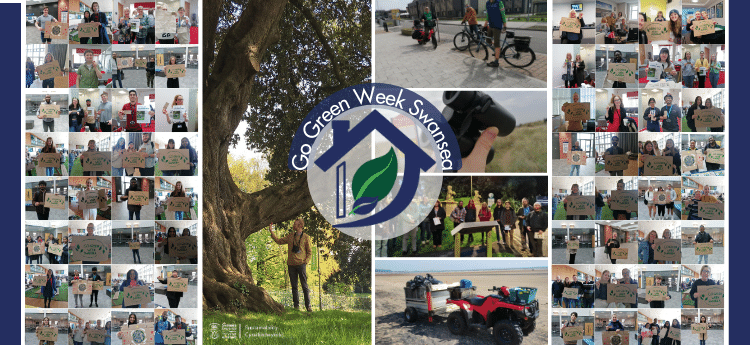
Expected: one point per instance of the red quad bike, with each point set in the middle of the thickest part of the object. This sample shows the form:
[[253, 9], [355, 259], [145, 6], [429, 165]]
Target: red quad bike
[[423, 37], [511, 313]]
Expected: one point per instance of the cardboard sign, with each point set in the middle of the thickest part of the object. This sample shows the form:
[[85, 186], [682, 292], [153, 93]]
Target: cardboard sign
[[663, 333], [624, 200], [712, 211], [715, 156], [97, 285], [49, 70], [177, 284], [81, 287], [179, 204], [89, 248], [174, 71], [134, 24], [46, 333], [708, 118], [574, 244], [126, 62], [174, 159], [56, 30], [134, 295], [622, 293], [589, 329], [700, 27], [48, 160], [577, 158], [61, 82], [577, 111], [183, 247], [580, 205], [624, 72], [102, 198], [571, 293], [29, 195], [656, 293], [88, 199], [616, 162], [166, 23], [572, 25], [657, 166], [689, 160], [657, 31], [39, 280], [711, 296], [88, 29], [97, 161], [615, 337], [54, 201], [619, 253], [704, 248], [667, 249], [699, 328], [138, 198], [141, 114], [538, 236], [661, 197], [90, 115], [572, 333], [96, 335], [175, 336], [140, 63], [35, 248], [134, 245], [49, 111], [137, 335], [177, 112], [674, 333], [133, 159], [56, 249]]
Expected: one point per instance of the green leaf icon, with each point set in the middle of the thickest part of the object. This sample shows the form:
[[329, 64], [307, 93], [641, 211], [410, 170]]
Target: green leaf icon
[[373, 180]]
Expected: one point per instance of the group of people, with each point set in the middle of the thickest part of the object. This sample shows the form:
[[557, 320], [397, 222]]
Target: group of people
[[647, 247], [658, 211], [585, 296]]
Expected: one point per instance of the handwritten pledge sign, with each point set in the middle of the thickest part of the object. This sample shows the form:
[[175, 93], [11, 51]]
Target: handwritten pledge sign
[[715, 156], [97, 285], [134, 245], [88, 199], [54, 201], [97, 161], [656, 293], [674, 333], [667, 249], [56, 249], [624, 200], [174, 71], [689, 160], [572, 333], [140, 63], [657, 31], [615, 337], [174, 159], [572, 25], [46, 333], [657, 166], [39, 280], [96, 335], [49, 160], [576, 158], [49, 111], [570, 293], [577, 111], [126, 62], [175, 336], [616, 162], [133, 160], [624, 72], [56, 31], [177, 284], [35, 248], [49, 70], [134, 295], [708, 118], [88, 30], [704, 248], [712, 211], [711, 296], [183, 247], [619, 253], [179, 204], [89, 248], [661, 198], [81, 287], [699, 328], [141, 114], [700, 27], [580, 205], [622, 293], [574, 244], [138, 198]]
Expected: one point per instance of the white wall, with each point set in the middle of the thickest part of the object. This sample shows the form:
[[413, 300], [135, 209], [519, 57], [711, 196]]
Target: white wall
[[167, 96], [562, 9]]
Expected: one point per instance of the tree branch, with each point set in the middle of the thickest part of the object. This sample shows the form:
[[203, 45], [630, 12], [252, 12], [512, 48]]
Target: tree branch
[[290, 200], [318, 30]]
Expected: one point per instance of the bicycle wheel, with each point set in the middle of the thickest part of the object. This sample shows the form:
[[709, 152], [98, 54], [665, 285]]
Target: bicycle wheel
[[516, 58], [478, 50], [461, 40]]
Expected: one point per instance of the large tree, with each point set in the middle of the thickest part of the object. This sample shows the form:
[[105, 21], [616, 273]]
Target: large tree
[[268, 63]]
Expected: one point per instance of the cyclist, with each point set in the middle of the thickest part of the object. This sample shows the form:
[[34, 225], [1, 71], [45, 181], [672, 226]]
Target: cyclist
[[497, 21], [428, 19], [471, 17]]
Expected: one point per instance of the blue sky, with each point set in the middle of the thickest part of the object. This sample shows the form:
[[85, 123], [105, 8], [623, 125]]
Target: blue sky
[[426, 266]]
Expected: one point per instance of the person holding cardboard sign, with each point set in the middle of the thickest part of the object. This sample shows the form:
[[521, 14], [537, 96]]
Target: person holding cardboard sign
[[48, 123], [101, 20], [132, 320], [612, 243], [670, 150], [600, 295], [702, 336], [133, 209], [704, 280], [192, 157], [90, 147], [116, 71], [87, 214], [166, 258], [131, 280], [619, 214], [49, 147], [94, 297], [178, 192], [703, 237], [710, 105], [691, 115], [299, 254], [49, 82], [571, 323], [173, 297], [660, 303], [576, 167], [176, 114], [49, 290], [43, 19], [173, 83], [170, 146], [574, 191], [42, 213]]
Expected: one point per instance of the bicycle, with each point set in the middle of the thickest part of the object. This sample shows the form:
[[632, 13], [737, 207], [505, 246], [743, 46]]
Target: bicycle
[[517, 54], [461, 40]]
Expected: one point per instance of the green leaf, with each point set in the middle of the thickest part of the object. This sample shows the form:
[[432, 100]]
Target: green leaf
[[375, 178]]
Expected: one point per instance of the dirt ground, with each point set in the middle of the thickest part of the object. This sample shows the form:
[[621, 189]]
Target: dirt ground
[[391, 328]]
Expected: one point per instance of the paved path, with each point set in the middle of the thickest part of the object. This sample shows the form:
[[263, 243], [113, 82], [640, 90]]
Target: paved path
[[400, 60]]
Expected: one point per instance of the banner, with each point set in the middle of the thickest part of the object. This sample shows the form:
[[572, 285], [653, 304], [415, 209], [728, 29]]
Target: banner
[[133, 159], [711, 296], [657, 166], [704, 248], [572, 25], [616, 162], [88, 29], [708, 118], [580, 205], [622, 293], [712, 211], [183, 247], [656, 293], [97, 161], [48, 160], [90, 248], [138, 198], [49, 111], [174, 159], [49, 70], [657, 31], [715, 156], [624, 72], [177, 284], [135, 295], [54, 201], [576, 158], [619, 253], [624, 200], [178, 204], [667, 250], [174, 71]]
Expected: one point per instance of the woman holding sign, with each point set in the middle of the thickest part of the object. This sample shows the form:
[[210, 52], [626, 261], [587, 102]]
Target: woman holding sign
[[601, 291], [91, 147], [101, 18], [132, 320], [49, 290], [571, 323], [64, 257], [713, 146], [75, 115], [176, 115], [173, 83], [710, 105], [671, 151], [667, 235], [691, 116], [88, 214], [86, 19], [646, 248], [192, 157], [616, 115], [170, 146], [183, 27], [132, 209], [165, 258], [49, 147], [131, 148], [702, 336], [45, 323], [612, 243], [123, 26], [651, 115], [130, 281], [48, 83], [664, 69], [178, 192], [660, 208], [76, 297], [173, 297]]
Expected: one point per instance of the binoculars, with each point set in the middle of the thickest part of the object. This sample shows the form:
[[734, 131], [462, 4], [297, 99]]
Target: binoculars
[[469, 113]]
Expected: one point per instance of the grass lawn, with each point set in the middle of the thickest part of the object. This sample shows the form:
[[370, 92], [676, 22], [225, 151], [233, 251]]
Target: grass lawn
[[524, 150], [292, 327], [62, 293], [606, 213], [77, 169]]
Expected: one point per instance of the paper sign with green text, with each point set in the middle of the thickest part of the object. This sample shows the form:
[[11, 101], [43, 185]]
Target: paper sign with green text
[[87, 199], [624, 200], [96, 335], [134, 159], [174, 71], [46, 333], [54, 201], [572, 333], [674, 333], [49, 70], [715, 156], [138, 198], [49, 111], [616, 162], [56, 249], [577, 111], [656, 293], [624, 72], [89, 248], [183, 247], [39, 280], [615, 338], [704, 248], [97, 161], [711, 296], [622, 293], [699, 328], [703, 27], [667, 249], [657, 166], [571, 293], [572, 25], [177, 284], [574, 244], [712, 211], [134, 295], [97, 285], [174, 159], [174, 336], [48, 160], [88, 29], [656, 31], [619, 253], [134, 245], [140, 63], [580, 205], [179, 204], [708, 118]]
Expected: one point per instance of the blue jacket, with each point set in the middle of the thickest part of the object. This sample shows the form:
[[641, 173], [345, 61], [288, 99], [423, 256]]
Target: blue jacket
[[496, 14], [161, 325], [612, 326], [126, 283], [644, 252], [54, 286]]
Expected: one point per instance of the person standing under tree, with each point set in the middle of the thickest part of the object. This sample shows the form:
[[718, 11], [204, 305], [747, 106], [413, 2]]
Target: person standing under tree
[[299, 254]]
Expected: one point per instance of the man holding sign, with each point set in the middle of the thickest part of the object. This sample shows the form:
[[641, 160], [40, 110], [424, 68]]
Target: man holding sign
[[576, 165], [614, 150], [571, 339], [48, 122], [703, 237], [89, 73], [43, 19], [657, 294], [129, 111], [712, 151], [42, 212]]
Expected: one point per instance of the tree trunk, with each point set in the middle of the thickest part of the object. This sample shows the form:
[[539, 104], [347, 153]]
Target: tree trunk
[[230, 215]]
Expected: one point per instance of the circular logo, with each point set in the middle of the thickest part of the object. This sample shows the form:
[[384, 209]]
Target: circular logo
[[689, 160], [81, 287], [138, 336], [56, 30], [615, 339], [662, 197]]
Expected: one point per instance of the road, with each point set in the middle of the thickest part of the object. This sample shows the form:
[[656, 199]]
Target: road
[[448, 29]]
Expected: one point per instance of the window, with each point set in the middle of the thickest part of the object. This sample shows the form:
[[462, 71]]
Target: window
[[633, 12]]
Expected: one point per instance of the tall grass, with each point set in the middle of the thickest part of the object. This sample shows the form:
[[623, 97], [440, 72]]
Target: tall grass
[[524, 150]]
